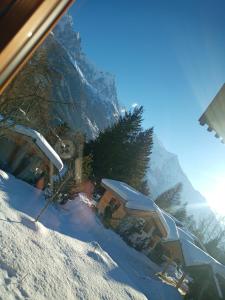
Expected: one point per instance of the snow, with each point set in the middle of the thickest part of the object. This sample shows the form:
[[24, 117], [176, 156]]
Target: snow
[[195, 256], [68, 254], [133, 198], [93, 127], [40, 141], [42, 144], [184, 234], [80, 72], [172, 228], [176, 233]]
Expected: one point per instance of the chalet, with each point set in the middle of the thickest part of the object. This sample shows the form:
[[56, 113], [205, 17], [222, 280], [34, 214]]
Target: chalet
[[120, 201], [208, 274], [214, 115], [26, 154]]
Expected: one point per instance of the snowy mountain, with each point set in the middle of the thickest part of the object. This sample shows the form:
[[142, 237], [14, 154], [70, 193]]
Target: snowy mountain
[[165, 171], [85, 97], [68, 254]]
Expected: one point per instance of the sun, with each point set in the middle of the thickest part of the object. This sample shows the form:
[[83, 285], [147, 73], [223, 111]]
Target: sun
[[216, 197]]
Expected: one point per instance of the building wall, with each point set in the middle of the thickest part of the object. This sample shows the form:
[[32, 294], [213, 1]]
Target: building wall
[[118, 215], [104, 201], [21, 157], [173, 250]]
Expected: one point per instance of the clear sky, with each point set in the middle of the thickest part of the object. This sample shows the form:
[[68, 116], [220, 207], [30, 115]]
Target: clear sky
[[168, 56]]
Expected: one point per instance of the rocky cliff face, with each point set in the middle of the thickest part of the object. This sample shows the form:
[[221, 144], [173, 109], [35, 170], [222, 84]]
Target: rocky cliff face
[[165, 171], [84, 97]]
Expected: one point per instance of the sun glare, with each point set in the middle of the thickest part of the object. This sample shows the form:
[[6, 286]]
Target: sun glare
[[216, 197]]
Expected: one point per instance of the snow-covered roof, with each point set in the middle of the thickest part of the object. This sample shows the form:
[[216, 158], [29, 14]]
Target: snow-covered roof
[[40, 141], [176, 233], [183, 234], [133, 199], [178, 222], [194, 256], [172, 228]]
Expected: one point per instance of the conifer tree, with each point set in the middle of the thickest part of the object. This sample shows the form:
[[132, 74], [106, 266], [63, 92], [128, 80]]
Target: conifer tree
[[170, 201], [122, 152]]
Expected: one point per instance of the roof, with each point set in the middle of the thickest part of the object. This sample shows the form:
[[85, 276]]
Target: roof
[[176, 233], [172, 228], [178, 222], [194, 256], [134, 199], [214, 116], [40, 141], [186, 235]]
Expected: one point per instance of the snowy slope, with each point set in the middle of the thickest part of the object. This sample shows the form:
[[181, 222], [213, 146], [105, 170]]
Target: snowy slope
[[68, 254], [165, 171]]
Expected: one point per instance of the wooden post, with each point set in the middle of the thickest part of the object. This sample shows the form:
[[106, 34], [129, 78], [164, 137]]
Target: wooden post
[[51, 199], [79, 159], [78, 170], [180, 281], [51, 173]]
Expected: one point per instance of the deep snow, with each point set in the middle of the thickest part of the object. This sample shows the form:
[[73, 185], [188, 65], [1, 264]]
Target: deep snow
[[68, 254]]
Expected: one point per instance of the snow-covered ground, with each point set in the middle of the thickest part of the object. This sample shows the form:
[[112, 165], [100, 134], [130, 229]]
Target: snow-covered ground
[[68, 254]]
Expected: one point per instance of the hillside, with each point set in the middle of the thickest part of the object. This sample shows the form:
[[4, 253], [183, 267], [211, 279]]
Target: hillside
[[68, 254]]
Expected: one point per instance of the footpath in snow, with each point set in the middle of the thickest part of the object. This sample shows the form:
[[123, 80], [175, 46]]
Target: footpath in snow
[[68, 254]]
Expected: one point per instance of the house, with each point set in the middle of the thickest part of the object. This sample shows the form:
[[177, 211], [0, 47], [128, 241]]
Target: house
[[214, 115], [172, 245], [26, 154], [208, 274], [121, 202]]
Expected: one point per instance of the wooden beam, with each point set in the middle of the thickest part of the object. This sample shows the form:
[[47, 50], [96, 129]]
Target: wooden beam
[[180, 281], [18, 12], [23, 40]]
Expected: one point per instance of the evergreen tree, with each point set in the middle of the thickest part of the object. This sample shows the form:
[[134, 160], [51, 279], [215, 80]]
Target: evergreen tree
[[170, 198], [181, 213], [170, 201], [122, 152]]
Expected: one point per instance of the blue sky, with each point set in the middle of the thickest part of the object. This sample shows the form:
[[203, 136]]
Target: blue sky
[[168, 56]]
